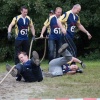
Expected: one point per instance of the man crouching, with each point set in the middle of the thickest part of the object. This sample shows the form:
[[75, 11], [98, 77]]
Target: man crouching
[[29, 69]]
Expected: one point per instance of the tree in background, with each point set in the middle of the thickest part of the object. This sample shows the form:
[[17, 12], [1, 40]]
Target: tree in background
[[38, 11]]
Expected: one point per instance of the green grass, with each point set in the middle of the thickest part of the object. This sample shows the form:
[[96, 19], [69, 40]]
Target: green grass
[[68, 86], [3, 66]]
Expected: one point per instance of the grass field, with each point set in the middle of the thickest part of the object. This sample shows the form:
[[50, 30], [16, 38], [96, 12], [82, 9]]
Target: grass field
[[82, 85]]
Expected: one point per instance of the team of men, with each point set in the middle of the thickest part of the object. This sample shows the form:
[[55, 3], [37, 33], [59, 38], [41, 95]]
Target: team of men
[[61, 30]]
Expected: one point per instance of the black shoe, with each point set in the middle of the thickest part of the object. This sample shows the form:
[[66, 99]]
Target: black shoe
[[79, 71], [13, 72], [18, 77], [83, 65], [63, 48], [35, 58]]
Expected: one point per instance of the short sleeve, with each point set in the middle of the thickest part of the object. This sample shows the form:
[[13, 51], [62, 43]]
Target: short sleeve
[[13, 21], [47, 22], [78, 21], [31, 22], [63, 18]]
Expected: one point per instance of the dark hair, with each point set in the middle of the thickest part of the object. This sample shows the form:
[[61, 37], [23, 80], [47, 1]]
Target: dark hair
[[23, 7], [24, 53], [51, 11]]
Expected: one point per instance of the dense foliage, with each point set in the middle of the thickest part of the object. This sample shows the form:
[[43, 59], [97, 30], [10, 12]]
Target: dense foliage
[[38, 11]]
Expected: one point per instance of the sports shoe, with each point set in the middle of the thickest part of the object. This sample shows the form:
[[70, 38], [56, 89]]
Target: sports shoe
[[63, 48], [83, 65], [13, 72], [35, 58]]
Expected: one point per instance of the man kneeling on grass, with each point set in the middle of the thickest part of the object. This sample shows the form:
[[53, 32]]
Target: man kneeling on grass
[[29, 69], [59, 66]]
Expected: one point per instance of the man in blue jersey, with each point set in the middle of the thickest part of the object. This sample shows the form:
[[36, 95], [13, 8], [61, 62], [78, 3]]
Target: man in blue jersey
[[29, 69], [22, 24], [71, 19], [54, 38], [55, 65]]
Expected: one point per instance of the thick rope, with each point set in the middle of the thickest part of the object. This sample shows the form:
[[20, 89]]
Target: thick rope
[[44, 47], [7, 74], [44, 50]]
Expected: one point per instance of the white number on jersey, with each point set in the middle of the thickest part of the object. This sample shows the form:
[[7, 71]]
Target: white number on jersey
[[23, 32], [57, 30], [73, 28]]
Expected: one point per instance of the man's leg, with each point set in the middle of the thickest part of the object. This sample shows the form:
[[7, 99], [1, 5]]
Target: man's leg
[[55, 64], [17, 50], [35, 59], [16, 72], [25, 46], [19, 68], [26, 73], [13, 72], [38, 73], [58, 45], [51, 48], [71, 46]]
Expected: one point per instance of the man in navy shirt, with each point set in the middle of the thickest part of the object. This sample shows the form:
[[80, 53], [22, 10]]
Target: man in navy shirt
[[29, 69], [72, 20], [56, 28], [22, 24]]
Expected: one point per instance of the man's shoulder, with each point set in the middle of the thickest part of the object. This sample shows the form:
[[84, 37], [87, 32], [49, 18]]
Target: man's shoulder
[[77, 15], [53, 16], [68, 12], [28, 17], [17, 17], [50, 18]]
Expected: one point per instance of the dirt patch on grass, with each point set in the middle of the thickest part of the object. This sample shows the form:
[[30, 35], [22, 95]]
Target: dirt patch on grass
[[10, 89]]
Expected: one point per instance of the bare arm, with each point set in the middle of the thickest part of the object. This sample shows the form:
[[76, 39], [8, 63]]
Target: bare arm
[[43, 30], [62, 28], [10, 27], [74, 60], [81, 27], [71, 72], [32, 29]]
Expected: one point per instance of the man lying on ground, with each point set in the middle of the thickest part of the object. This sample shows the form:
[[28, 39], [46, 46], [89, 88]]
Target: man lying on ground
[[55, 65], [29, 69], [71, 69]]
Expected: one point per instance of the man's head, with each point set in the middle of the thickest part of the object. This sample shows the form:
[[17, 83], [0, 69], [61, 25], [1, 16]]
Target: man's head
[[58, 11], [51, 12], [73, 67], [76, 8], [24, 11], [23, 57]]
